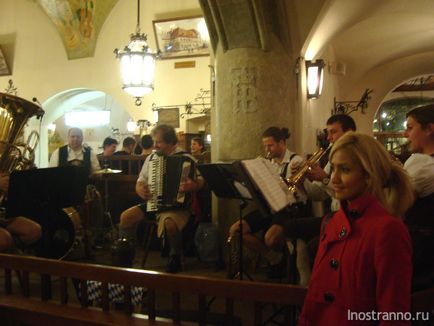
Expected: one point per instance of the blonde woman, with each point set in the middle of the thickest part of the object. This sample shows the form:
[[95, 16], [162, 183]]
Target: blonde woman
[[363, 262]]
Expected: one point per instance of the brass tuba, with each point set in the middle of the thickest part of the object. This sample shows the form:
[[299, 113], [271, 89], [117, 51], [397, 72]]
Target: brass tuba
[[294, 180], [14, 113]]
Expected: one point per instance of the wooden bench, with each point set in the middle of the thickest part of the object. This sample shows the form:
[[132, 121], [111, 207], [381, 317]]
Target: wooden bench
[[19, 305]]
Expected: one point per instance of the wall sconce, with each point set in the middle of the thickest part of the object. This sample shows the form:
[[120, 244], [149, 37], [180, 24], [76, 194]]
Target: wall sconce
[[315, 77]]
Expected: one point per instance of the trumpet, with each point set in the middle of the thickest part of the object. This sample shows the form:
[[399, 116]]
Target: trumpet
[[294, 180]]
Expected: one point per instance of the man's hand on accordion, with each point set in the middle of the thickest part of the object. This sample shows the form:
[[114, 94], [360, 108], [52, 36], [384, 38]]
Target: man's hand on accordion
[[143, 191], [188, 185]]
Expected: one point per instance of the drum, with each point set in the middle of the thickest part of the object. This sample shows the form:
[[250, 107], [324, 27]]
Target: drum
[[59, 233]]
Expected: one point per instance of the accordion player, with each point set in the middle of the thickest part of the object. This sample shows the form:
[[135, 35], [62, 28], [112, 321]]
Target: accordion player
[[165, 175]]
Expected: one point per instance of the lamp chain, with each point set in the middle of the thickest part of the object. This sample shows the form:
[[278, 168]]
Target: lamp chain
[[138, 17]]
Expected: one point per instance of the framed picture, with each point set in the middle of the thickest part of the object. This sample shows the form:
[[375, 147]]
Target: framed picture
[[169, 116], [4, 69], [182, 37]]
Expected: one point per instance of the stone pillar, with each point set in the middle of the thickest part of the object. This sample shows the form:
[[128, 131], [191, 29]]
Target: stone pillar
[[254, 77]]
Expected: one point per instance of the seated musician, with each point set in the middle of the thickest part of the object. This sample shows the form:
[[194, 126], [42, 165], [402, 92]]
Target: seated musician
[[274, 141], [317, 184], [170, 222], [75, 153], [420, 167], [18, 231]]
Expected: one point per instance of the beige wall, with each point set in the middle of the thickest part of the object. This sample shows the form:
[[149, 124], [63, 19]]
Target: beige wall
[[40, 67]]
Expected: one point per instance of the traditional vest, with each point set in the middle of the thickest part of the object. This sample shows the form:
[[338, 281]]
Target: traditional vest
[[63, 158]]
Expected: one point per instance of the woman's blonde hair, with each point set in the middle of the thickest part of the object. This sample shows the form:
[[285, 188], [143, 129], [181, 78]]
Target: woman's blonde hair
[[386, 179]]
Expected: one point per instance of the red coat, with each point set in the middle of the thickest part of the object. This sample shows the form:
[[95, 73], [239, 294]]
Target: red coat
[[363, 264]]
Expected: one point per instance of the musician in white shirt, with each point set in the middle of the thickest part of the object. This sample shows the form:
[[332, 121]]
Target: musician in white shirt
[[75, 153], [170, 222], [317, 184], [271, 248]]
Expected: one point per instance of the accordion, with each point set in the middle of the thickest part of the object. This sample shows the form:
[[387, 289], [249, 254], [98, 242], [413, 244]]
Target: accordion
[[165, 173]]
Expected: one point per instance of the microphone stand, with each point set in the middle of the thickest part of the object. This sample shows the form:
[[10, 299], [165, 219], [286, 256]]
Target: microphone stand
[[241, 272]]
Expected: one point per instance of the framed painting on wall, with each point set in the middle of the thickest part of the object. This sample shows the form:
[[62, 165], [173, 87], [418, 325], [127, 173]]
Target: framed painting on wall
[[169, 116], [182, 37], [4, 68]]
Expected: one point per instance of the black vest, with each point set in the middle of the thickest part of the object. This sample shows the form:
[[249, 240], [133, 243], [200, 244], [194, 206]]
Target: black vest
[[63, 158]]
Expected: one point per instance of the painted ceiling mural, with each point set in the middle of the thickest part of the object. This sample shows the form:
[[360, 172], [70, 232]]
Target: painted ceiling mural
[[78, 22]]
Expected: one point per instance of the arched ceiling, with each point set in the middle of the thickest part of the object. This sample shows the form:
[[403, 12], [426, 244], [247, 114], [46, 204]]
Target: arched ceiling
[[369, 33]]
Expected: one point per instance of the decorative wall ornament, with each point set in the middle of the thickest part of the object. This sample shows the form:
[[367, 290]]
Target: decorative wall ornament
[[348, 107], [244, 89], [11, 89], [78, 22], [201, 105]]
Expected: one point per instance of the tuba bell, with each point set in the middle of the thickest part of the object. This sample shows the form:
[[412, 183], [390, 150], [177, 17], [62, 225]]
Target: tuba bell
[[14, 114]]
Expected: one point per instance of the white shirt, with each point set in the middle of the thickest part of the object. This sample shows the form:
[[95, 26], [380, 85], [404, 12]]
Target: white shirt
[[300, 194], [75, 155], [420, 167], [317, 190]]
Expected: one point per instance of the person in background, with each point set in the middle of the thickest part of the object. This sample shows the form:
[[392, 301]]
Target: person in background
[[420, 217], [147, 145], [363, 262], [128, 145], [196, 146], [18, 231], [75, 153], [197, 149], [109, 146]]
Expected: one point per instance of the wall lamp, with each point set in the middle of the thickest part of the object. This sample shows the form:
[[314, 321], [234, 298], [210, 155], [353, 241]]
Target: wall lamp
[[315, 77]]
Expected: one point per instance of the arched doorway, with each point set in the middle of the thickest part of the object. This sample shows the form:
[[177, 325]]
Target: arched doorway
[[389, 121], [55, 125]]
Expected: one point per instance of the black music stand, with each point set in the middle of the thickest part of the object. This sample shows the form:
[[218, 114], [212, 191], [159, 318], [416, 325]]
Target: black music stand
[[228, 181], [38, 189], [41, 194]]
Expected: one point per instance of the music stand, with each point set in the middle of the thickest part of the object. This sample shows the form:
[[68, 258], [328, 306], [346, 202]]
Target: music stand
[[38, 189], [227, 181], [41, 194]]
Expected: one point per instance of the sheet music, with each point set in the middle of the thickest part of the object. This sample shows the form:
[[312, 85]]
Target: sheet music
[[271, 186], [242, 189]]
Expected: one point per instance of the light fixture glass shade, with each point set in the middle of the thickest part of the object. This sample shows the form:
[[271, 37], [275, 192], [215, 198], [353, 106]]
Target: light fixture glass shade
[[137, 67], [315, 77], [131, 126], [83, 119]]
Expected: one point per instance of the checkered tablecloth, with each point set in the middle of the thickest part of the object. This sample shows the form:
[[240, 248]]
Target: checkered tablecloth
[[116, 292]]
